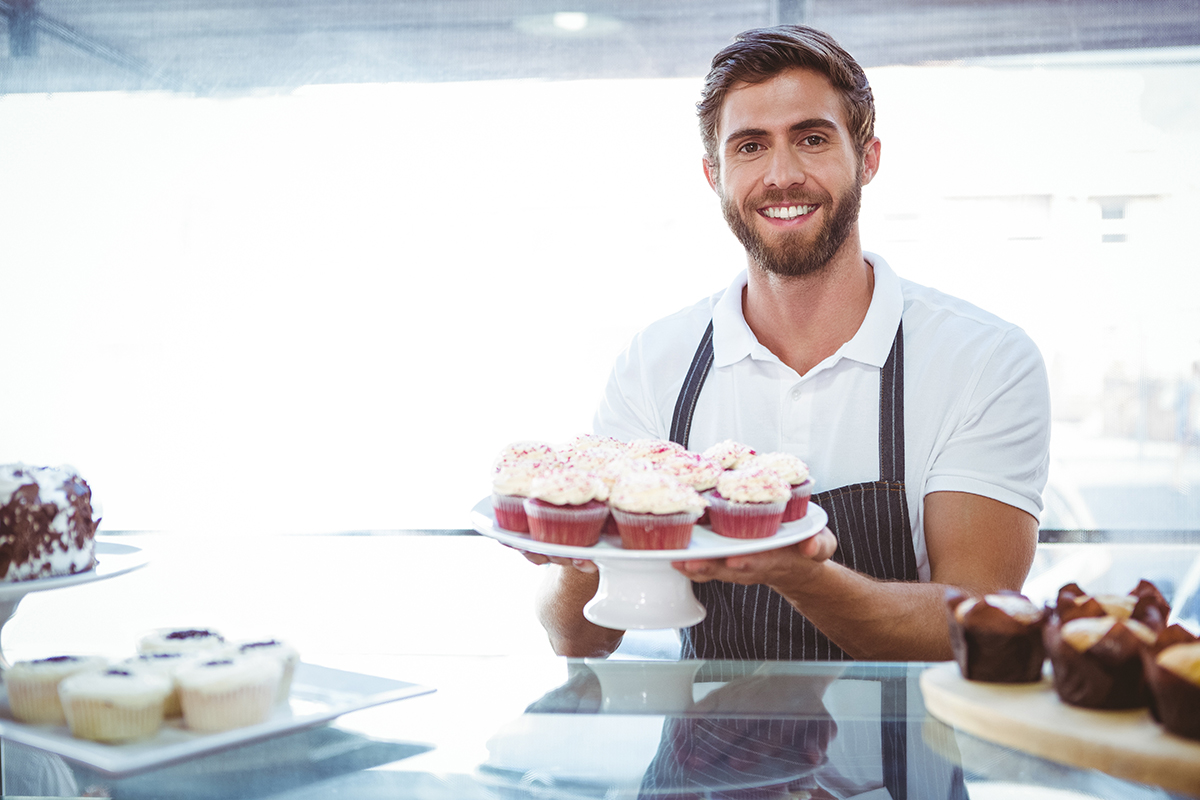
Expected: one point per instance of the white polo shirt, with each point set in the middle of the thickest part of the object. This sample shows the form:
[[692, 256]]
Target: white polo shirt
[[976, 396]]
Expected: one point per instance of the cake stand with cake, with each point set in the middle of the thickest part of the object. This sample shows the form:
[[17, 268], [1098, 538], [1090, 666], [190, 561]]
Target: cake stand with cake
[[639, 589], [48, 536]]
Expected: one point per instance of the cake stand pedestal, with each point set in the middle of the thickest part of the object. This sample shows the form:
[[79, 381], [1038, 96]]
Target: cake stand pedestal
[[639, 589], [112, 559]]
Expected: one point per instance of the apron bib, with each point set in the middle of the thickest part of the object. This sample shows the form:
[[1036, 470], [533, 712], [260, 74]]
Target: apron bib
[[870, 521]]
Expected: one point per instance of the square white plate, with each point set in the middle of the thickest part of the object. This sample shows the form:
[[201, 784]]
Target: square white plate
[[319, 694]]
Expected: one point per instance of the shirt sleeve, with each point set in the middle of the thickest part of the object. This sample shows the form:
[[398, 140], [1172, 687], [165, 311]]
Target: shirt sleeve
[[998, 445], [624, 412]]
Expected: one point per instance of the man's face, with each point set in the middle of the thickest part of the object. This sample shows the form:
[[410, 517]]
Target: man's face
[[790, 176]]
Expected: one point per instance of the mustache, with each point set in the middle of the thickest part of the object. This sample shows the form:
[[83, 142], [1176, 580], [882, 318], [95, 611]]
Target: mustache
[[792, 198]]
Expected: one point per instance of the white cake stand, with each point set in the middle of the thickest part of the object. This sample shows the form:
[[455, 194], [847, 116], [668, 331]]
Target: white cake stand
[[112, 559], [639, 589]]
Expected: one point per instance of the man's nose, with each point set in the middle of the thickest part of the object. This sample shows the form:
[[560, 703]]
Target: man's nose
[[785, 168]]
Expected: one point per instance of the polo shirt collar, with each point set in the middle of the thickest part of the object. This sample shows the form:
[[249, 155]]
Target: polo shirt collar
[[733, 340]]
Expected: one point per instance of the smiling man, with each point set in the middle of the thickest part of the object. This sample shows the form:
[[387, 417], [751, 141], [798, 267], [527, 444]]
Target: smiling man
[[927, 417]]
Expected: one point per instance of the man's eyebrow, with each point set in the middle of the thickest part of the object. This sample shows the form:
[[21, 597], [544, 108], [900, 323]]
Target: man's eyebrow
[[803, 125]]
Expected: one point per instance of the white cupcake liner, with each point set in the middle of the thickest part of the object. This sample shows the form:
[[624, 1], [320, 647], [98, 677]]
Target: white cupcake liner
[[35, 702], [105, 721], [231, 708]]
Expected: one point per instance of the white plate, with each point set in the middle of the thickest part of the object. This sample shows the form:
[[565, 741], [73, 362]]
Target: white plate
[[319, 694], [704, 544], [112, 559]]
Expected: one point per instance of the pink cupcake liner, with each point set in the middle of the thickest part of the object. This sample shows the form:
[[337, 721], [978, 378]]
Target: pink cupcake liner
[[744, 520], [655, 531], [797, 505], [510, 512], [576, 526]]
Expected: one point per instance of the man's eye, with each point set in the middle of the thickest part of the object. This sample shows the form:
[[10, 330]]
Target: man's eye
[[812, 140], [750, 147]]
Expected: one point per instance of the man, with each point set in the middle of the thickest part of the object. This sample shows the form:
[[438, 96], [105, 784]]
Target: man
[[929, 415]]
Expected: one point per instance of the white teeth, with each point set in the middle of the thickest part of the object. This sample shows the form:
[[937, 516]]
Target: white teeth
[[791, 212]]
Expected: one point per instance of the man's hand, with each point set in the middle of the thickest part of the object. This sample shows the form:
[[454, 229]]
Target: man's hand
[[776, 568], [581, 564]]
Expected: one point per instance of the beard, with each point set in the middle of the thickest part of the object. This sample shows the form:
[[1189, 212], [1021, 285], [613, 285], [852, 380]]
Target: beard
[[793, 257]]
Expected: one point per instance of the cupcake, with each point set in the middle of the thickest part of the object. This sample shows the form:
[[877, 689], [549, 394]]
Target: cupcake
[[511, 485], [655, 511], [1095, 647], [33, 686], [524, 452], [567, 506], [748, 503], [997, 638], [180, 640], [118, 704], [168, 666], [730, 454], [282, 652], [795, 472], [1172, 668], [228, 691]]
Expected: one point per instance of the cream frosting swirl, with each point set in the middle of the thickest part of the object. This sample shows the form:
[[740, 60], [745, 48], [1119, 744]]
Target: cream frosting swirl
[[568, 487], [518, 452], [786, 465], [655, 493], [517, 478], [697, 471], [729, 454], [753, 486]]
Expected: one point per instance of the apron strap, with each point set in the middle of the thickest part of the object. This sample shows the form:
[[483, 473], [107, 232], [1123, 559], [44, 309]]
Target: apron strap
[[685, 404]]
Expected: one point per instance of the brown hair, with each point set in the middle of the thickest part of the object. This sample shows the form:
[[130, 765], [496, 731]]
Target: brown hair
[[762, 53]]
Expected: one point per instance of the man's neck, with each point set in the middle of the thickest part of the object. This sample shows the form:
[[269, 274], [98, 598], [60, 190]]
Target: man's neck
[[805, 320]]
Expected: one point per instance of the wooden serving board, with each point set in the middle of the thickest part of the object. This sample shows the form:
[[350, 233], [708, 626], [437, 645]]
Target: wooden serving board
[[1030, 717]]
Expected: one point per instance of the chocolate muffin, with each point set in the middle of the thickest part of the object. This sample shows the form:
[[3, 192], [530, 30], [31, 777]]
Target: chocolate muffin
[[996, 638]]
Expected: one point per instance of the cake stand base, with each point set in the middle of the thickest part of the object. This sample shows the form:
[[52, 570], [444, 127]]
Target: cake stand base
[[643, 595]]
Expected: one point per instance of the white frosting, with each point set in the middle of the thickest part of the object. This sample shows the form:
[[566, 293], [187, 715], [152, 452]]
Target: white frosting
[[652, 450], [568, 487], [786, 465], [517, 452], [753, 486], [226, 672], [179, 640], [729, 454], [697, 471], [517, 478], [122, 685], [52, 669], [655, 493]]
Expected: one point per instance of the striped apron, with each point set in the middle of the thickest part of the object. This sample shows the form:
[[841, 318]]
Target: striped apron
[[870, 521]]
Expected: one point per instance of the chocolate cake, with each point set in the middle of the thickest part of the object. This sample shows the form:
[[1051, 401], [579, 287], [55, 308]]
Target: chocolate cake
[[47, 526]]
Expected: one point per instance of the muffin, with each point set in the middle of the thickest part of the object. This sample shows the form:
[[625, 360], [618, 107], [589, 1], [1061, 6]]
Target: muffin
[[511, 485], [1095, 645], [996, 638], [748, 503], [168, 666], [284, 653], [33, 686], [228, 691], [795, 472], [1172, 668], [730, 454], [567, 506], [654, 511], [117, 704], [180, 640]]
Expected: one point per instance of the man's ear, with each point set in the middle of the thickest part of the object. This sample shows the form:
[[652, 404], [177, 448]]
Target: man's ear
[[871, 160], [711, 173]]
